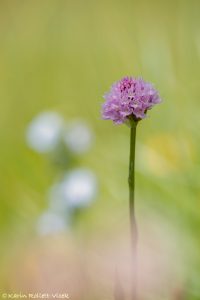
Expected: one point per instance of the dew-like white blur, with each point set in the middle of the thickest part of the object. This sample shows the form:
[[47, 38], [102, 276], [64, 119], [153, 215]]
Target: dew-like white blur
[[51, 223], [44, 131], [77, 190], [78, 137]]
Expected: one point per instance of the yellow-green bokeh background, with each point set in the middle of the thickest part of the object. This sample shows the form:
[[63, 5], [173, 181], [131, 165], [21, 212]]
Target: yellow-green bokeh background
[[62, 56]]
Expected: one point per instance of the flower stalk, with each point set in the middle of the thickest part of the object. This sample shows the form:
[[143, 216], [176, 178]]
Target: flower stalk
[[128, 102], [133, 224]]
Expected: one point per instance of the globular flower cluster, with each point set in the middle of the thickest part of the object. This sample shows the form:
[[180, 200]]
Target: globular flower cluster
[[129, 98]]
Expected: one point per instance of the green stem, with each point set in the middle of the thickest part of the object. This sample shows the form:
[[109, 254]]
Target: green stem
[[133, 225]]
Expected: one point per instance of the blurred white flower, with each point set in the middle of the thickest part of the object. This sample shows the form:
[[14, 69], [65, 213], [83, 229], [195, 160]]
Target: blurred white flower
[[78, 189], [51, 223], [78, 137], [44, 131]]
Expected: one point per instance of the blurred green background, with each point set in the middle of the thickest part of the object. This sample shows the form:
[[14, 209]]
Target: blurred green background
[[63, 56]]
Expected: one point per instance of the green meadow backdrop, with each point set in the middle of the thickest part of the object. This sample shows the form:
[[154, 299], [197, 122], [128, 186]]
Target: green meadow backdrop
[[63, 56]]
